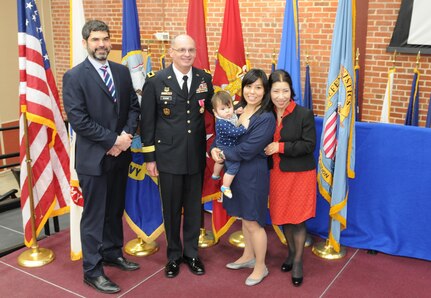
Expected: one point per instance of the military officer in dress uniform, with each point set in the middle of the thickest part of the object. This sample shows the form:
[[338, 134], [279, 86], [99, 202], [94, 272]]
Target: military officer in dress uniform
[[174, 143]]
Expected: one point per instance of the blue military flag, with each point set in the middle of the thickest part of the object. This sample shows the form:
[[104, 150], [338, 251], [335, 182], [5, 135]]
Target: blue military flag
[[143, 210], [357, 77], [163, 61], [412, 116], [289, 57], [148, 66], [131, 49], [337, 147], [308, 97]]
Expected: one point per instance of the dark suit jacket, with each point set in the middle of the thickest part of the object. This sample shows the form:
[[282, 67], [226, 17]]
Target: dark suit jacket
[[298, 133], [94, 116], [172, 126]]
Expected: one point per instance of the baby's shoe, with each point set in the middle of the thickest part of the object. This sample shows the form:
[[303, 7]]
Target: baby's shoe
[[226, 191]]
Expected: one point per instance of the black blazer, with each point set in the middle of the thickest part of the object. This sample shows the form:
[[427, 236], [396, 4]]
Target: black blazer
[[172, 126], [94, 116], [298, 134]]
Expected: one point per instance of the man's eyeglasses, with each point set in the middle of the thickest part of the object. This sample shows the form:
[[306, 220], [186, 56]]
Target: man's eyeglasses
[[183, 50]]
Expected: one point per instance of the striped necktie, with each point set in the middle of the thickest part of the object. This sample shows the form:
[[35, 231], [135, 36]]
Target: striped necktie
[[109, 82]]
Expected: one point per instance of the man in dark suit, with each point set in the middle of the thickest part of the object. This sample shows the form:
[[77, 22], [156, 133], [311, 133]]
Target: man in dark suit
[[103, 109], [174, 144]]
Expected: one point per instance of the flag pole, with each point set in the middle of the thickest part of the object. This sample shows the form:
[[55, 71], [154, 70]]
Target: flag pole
[[325, 250], [139, 248], [35, 256], [418, 57], [206, 238], [237, 239]]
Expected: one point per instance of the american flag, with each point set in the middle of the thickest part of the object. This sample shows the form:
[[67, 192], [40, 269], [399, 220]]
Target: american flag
[[329, 136], [47, 134]]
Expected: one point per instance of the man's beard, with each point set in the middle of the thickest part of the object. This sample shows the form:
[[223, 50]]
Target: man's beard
[[100, 57]]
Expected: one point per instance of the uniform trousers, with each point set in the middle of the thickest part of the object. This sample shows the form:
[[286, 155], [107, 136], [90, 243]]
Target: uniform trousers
[[181, 193]]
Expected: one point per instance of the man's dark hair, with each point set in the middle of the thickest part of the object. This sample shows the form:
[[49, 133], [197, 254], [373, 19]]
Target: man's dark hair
[[94, 25]]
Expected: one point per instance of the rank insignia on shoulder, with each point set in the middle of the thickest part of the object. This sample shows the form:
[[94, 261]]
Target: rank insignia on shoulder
[[151, 74], [207, 71]]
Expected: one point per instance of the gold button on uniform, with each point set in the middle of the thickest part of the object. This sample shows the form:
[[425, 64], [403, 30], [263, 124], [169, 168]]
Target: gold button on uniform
[[188, 121], [189, 131], [188, 111]]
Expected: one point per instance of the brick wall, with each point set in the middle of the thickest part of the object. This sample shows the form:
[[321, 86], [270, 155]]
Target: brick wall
[[262, 23]]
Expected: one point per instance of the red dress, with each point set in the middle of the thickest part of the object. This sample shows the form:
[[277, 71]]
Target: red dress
[[292, 195]]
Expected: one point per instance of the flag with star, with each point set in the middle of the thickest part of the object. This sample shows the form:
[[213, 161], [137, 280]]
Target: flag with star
[[43, 141]]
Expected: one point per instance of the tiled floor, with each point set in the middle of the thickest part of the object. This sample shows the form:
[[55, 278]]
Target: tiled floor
[[11, 227]]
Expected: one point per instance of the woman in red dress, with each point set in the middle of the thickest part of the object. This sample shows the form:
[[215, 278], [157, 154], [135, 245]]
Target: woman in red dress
[[292, 196]]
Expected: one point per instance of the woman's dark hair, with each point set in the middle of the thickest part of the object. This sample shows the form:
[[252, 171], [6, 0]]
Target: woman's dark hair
[[252, 76], [281, 75], [94, 25]]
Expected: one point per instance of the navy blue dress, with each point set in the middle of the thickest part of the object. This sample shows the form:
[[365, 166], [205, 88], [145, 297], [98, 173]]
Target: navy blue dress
[[250, 187]]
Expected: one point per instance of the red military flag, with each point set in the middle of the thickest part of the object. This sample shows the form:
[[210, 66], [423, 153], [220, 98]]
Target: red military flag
[[196, 28], [231, 63], [230, 68], [46, 136]]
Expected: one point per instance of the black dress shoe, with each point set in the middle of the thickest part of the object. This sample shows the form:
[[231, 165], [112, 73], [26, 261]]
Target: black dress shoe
[[122, 263], [102, 284], [286, 267], [172, 268], [195, 265], [297, 281]]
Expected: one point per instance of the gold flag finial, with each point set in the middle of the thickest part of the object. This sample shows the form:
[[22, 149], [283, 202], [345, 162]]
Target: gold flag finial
[[274, 55], [418, 57], [306, 57], [357, 57], [394, 57]]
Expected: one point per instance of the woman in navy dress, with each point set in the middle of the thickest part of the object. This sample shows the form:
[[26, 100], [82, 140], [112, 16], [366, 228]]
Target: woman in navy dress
[[251, 184]]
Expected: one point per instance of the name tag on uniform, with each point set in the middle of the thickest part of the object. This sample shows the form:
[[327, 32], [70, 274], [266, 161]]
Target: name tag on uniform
[[165, 98], [167, 92]]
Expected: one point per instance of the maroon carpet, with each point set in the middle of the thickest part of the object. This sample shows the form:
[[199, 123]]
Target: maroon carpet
[[356, 275]]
